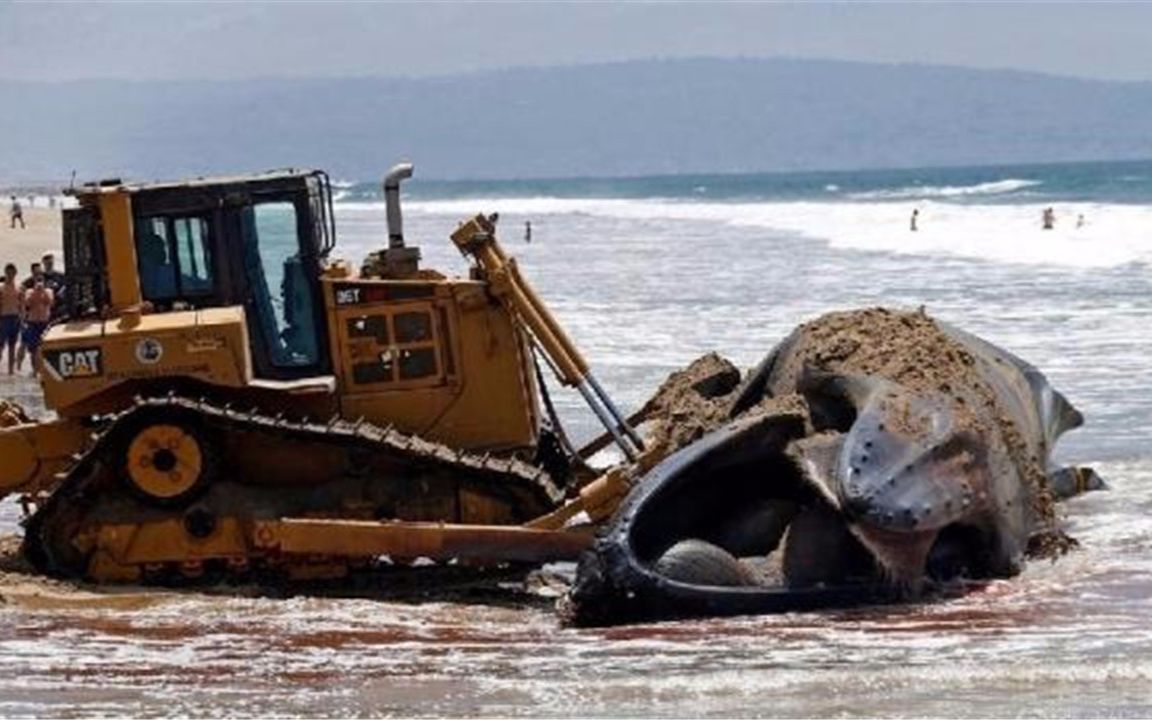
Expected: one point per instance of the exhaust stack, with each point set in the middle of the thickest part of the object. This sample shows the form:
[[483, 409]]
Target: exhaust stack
[[399, 172], [397, 260]]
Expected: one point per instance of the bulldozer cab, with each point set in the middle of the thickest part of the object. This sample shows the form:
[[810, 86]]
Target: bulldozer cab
[[258, 242]]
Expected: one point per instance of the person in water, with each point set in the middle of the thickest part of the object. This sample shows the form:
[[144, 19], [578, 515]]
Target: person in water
[[915, 218], [11, 315], [1048, 219], [527, 231]]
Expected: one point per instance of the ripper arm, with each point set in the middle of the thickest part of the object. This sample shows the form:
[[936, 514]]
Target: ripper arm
[[477, 238]]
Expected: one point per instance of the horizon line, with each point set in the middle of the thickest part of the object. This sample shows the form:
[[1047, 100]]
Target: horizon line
[[465, 73], [26, 185]]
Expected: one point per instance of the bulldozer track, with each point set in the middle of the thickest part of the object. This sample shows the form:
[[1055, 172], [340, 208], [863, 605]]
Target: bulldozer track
[[50, 529]]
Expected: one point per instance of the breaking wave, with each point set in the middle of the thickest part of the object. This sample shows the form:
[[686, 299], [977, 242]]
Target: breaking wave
[[1111, 234], [997, 187]]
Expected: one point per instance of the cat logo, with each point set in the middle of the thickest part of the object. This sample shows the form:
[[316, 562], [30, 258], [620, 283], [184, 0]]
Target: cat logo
[[75, 364]]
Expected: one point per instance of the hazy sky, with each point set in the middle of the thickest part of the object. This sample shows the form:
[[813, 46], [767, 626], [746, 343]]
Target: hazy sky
[[232, 39]]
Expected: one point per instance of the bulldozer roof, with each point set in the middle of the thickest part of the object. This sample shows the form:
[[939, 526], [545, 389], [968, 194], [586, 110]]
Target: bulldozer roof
[[117, 185]]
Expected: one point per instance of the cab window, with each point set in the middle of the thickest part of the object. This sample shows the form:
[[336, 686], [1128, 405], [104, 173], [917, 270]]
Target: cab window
[[282, 300], [192, 255], [173, 257]]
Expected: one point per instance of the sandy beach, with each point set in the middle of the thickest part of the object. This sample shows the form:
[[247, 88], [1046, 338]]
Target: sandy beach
[[26, 246]]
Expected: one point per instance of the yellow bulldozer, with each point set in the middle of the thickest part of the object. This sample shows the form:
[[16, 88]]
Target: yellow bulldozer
[[229, 399]]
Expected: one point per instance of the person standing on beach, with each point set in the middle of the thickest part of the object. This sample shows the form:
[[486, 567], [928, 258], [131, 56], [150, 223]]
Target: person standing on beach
[[915, 217], [53, 278], [36, 271], [37, 304], [16, 213], [11, 315], [25, 287], [54, 281]]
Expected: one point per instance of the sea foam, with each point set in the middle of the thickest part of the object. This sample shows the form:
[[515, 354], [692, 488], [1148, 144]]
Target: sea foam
[[1112, 234], [996, 187]]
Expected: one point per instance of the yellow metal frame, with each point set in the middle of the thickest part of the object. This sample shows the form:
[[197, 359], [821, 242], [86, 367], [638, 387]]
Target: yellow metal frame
[[32, 454], [120, 249], [483, 393], [121, 552], [209, 345]]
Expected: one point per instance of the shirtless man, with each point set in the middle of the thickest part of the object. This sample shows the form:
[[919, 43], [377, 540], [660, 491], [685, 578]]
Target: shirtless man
[[37, 313], [11, 315]]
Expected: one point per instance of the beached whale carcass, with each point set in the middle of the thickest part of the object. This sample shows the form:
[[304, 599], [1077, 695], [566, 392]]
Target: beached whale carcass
[[872, 451]]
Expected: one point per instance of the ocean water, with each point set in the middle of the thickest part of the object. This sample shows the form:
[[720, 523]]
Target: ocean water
[[645, 283], [647, 274]]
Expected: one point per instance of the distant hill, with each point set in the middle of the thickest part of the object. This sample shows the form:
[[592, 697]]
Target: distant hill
[[634, 118]]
